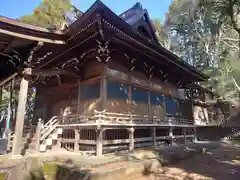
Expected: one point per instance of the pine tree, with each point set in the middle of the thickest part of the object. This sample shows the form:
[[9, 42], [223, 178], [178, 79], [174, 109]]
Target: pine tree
[[49, 14]]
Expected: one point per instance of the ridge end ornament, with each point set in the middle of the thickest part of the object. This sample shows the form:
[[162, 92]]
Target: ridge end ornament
[[103, 51]]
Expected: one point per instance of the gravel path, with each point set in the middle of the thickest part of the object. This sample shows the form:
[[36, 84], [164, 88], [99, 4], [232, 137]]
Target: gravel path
[[222, 163]]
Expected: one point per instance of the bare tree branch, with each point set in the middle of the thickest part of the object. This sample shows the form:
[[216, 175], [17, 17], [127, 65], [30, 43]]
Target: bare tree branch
[[235, 83], [231, 46], [230, 39]]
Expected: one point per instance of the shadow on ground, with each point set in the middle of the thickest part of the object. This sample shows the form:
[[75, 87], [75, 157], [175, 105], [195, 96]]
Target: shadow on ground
[[222, 163]]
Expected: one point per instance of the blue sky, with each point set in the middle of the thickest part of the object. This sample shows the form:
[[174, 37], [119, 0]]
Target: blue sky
[[17, 8]]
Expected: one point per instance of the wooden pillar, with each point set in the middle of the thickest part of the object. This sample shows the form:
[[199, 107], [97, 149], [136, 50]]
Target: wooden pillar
[[22, 99], [149, 102], [99, 143], [9, 140], [149, 108], [171, 135], [185, 133], [1, 89], [38, 134], [59, 137], [79, 97], [9, 118], [76, 141], [103, 89], [131, 139], [130, 97], [164, 108], [195, 134], [154, 137]]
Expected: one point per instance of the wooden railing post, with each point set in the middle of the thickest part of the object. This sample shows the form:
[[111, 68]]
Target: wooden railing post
[[184, 133], [38, 133], [195, 134], [76, 141], [131, 139], [99, 142], [154, 137], [171, 135]]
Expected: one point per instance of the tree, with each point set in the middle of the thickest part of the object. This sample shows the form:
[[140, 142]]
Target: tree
[[206, 36], [49, 14]]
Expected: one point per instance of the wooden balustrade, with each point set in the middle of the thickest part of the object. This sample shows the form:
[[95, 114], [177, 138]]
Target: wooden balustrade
[[120, 118], [76, 119]]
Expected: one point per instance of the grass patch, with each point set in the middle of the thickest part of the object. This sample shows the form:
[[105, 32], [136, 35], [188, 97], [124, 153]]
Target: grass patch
[[50, 168], [2, 176]]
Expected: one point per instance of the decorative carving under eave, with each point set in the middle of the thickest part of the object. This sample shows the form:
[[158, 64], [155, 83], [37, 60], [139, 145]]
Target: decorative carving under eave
[[149, 70], [179, 85], [130, 62], [165, 81], [69, 63], [103, 52], [43, 57], [82, 59]]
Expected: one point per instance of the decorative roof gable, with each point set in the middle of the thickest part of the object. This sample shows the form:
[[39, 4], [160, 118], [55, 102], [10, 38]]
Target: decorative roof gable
[[139, 18], [135, 16]]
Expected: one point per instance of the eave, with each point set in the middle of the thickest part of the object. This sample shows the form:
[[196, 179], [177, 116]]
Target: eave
[[17, 29]]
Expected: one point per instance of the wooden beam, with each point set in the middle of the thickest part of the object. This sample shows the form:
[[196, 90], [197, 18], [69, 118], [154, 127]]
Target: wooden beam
[[7, 48], [45, 73], [33, 38], [8, 79]]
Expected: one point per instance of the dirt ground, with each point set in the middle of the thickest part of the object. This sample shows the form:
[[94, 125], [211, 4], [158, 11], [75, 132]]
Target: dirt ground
[[222, 163]]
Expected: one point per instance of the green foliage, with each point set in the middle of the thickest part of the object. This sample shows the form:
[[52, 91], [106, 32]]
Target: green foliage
[[49, 14], [206, 34]]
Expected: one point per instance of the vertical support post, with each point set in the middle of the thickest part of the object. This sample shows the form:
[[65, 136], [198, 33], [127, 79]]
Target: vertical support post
[[9, 118], [184, 133], [38, 134], [149, 108], [22, 99], [79, 96], [99, 143], [164, 107], [59, 138], [1, 88], [76, 141], [192, 109], [171, 135], [44, 115], [195, 134], [9, 140], [103, 90], [131, 139], [154, 137], [130, 92]]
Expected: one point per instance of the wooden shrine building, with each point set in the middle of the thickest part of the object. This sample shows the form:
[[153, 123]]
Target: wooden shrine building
[[103, 82]]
